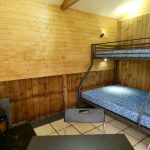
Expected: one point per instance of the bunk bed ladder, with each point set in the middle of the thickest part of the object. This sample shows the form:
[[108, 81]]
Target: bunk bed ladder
[[142, 110], [115, 68], [85, 75]]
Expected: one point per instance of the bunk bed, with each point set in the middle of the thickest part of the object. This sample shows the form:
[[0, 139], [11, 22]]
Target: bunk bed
[[126, 103]]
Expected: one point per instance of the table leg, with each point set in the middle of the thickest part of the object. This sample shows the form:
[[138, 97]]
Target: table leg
[[64, 128], [148, 147], [104, 127]]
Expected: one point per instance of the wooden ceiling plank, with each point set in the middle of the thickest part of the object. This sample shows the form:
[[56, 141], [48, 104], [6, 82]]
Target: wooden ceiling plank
[[67, 3]]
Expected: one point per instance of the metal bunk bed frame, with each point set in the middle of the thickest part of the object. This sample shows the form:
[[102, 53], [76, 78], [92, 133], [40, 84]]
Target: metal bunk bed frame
[[117, 45]]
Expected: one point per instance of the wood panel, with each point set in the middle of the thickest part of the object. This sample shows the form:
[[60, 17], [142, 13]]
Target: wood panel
[[135, 73], [40, 97], [95, 79], [38, 40]]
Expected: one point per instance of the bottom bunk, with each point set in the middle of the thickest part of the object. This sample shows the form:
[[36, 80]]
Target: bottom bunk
[[128, 102]]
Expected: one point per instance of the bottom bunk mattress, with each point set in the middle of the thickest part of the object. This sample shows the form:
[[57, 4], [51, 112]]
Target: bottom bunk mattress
[[125, 101]]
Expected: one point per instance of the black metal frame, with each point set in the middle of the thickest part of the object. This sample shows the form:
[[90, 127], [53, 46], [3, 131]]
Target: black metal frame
[[117, 45]]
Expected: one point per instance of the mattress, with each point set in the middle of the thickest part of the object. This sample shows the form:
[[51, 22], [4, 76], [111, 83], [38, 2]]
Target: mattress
[[145, 119], [130, 53], [125, 101]]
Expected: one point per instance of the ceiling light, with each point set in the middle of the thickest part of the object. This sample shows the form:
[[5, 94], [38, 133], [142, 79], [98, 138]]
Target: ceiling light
[[105, 59], [130, 8]]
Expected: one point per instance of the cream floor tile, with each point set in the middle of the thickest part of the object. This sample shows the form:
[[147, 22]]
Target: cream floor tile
[[146, 140], [59, 124], [83, 127], [69, 131], [110, 129], [119, 124], [94, 131], [53, 134], [141, 146], [108, 118], [131, 139], [135, 133], [44, 130]]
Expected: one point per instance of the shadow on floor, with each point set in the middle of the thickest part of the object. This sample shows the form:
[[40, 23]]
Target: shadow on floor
[[24, 133]]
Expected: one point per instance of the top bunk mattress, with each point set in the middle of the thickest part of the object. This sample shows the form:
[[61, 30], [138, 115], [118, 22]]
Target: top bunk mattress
[[128, 53], [125, 101]]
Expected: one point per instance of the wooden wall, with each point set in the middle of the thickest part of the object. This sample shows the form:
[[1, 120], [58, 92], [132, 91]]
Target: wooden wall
[[40, 97], [44, 52], [38, 40], [135, 74]]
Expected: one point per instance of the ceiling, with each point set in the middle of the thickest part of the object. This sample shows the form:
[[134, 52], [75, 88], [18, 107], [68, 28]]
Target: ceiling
[[110, 8]]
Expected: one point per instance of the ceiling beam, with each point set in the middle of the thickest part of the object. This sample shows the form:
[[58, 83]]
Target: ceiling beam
[[67, 3]]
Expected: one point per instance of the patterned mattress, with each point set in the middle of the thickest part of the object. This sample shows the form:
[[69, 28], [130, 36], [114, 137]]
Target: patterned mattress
[[125, 101], [130, 53]]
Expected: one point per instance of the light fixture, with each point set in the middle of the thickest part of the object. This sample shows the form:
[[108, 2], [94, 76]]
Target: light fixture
[[102, 35], [105, 59]]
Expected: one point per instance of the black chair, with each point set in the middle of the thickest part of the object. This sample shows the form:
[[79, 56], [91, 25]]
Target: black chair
[[5, 113], [148, 147], [84, 116], [5, 110]]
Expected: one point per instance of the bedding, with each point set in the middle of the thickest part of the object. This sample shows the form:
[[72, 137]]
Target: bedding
[[145, 119], [123, 100], [130, 53]]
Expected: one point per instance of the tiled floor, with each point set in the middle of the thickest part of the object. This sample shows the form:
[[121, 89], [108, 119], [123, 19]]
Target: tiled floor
[[139, 140]]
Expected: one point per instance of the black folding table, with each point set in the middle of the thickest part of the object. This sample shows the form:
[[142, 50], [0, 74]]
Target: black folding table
[[81, 142]]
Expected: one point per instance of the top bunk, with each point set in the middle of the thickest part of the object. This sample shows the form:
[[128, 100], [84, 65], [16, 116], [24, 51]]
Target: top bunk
[[127, 49]]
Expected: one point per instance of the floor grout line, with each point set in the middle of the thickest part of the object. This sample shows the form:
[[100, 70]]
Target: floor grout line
[[54, 129], [77, 130], [134, 136], [138, 143], [97, 127], [123, 130], [145, 138], [90, 130], [96, 122], [130, 135]]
